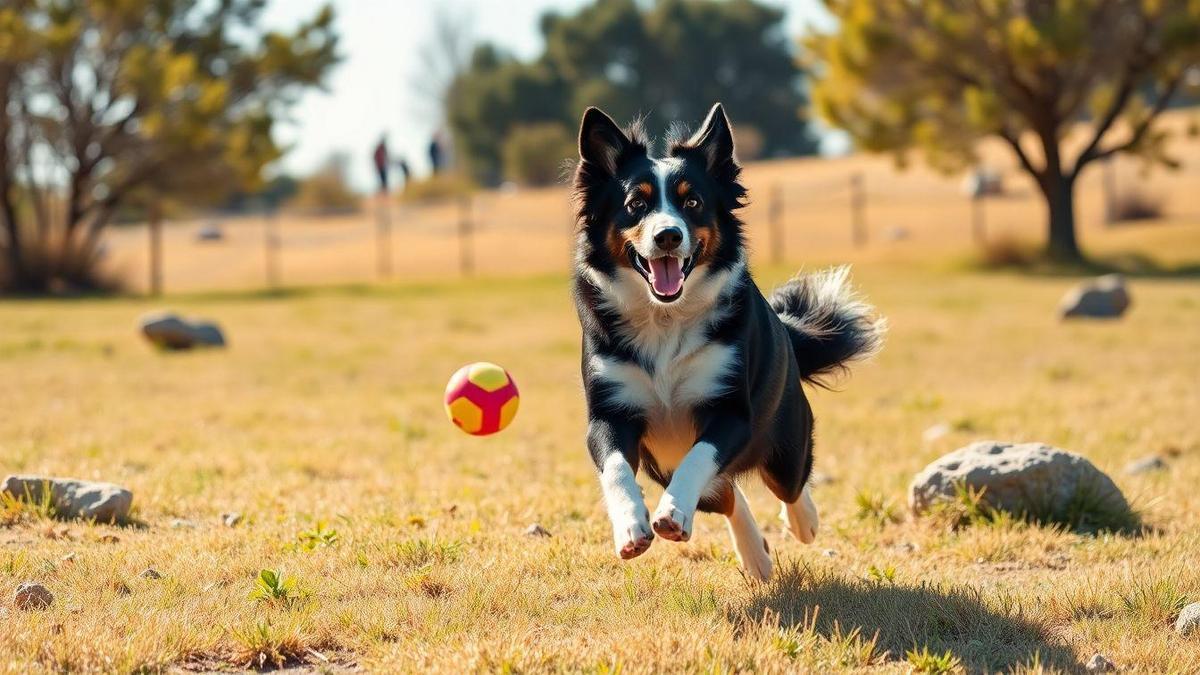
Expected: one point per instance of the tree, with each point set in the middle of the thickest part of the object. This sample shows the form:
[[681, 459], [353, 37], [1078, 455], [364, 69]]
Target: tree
[[943, 74], [130, 102], [668, 61], [535, 154]]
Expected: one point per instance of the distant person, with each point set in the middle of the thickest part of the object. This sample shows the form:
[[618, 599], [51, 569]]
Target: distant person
[[435, 155], [380, 158]]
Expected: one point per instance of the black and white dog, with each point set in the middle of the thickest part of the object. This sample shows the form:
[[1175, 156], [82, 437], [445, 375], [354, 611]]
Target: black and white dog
[[690, 373]]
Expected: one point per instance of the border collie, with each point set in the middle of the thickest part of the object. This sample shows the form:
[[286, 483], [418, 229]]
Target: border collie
[[690, 373]]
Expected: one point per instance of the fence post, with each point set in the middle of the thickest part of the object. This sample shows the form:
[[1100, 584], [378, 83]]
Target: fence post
[[154, 212], [465, 231], [383, 235], [978, 221], [775, 220], [1110, 191], [271, 246], [858, 204]]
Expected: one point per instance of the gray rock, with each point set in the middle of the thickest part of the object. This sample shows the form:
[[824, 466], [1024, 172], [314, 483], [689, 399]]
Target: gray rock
[[1099, 664], [536, 530], [72, 498], [210, 232], [1102, 298], [231, 519], [168, 331], [1188, 622], [151, 573], [30, 595], [182, 524], [1146, 465], [1025, 479]]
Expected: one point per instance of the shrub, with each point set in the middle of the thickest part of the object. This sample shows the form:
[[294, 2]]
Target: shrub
[[328, 189], [535, 154], [1134, 203], [49, 266]]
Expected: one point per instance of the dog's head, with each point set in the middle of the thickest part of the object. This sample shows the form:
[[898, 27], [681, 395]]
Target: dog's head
[[664, 219]]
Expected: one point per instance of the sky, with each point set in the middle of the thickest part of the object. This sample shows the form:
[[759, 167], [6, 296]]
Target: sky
[[372, 91]]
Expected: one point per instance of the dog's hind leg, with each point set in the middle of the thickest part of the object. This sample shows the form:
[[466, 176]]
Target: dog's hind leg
[[800, 516], [751, 548]]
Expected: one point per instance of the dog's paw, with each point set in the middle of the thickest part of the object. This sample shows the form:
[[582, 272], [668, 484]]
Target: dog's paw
[[632, 537], [672, 523]]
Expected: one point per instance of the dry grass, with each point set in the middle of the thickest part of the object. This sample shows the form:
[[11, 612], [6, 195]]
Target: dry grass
[[396, 540], [322, 424]]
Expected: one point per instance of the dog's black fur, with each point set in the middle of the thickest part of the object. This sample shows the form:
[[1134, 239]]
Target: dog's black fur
[[715, 362]]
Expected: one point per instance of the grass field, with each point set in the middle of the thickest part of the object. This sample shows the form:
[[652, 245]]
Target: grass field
[[322, 424], [324, 418]]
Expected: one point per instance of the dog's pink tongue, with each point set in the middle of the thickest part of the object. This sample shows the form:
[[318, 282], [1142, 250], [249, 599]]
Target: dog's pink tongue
[[665, 275]]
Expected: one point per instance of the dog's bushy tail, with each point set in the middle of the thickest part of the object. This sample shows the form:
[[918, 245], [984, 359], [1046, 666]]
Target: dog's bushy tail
[[828, 324]]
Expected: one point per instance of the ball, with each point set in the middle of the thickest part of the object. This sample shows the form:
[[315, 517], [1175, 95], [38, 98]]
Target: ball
[[481, 398]]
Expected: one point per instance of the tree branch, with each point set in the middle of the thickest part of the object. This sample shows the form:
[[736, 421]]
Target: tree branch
[[1139, 132]]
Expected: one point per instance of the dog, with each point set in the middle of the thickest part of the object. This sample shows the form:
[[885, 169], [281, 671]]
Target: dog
[[689, 372]]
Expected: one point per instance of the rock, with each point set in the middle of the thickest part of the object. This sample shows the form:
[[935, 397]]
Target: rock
[[1189, 620], [151, 573], [936, 432], [1102, 298], [1025, 479], [829, 553], [210, 232], [30, 595], [1099, 664], [536, 530], [182, 524], [72, 498], [231, 519], [1146, 465], [168, 331]]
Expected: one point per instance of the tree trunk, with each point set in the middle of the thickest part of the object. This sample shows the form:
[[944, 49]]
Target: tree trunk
[[1061, 245]]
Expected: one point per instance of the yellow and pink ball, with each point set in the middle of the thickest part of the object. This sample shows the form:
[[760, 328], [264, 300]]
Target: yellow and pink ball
[[481, 398]]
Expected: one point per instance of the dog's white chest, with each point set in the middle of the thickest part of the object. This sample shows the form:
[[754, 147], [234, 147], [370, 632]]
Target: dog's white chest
[[683, 370]]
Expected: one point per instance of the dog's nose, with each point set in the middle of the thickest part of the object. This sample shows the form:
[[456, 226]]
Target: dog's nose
[[669, 238]]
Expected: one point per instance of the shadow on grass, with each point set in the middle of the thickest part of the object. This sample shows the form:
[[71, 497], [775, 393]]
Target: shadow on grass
[[1034, 263], [987, 636]]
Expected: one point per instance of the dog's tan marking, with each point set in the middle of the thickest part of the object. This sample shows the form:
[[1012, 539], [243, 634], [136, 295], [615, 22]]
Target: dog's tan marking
[[683, 188]]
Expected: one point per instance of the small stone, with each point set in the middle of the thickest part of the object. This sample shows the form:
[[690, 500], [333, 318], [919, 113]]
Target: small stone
[[935, 432], [231, 519], [1146, 465], [182, 524], [536, 530], [1099, 664], [1102, 298], [168, 331], [70, 557], [30, 595], [1189, 620], [829, 553], [151, 573]]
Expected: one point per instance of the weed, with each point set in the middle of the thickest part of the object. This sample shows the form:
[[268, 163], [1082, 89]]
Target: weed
[[876, 508], [271, 586], [319, 536], [926, 661]]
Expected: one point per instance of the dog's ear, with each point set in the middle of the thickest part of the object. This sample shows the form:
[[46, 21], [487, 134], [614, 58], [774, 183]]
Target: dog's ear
[[601, 141], [714, 139]]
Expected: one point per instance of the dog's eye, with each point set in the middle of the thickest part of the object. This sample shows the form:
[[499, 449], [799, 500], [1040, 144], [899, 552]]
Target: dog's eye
[[636, 205], [691, 203]]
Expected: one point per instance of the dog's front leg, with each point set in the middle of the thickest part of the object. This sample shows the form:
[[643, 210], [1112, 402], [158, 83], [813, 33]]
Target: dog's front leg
[[726, 432], [613, 443]]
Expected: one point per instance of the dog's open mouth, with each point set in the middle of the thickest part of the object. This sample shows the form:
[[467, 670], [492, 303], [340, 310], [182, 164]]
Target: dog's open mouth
[[665, 274]]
